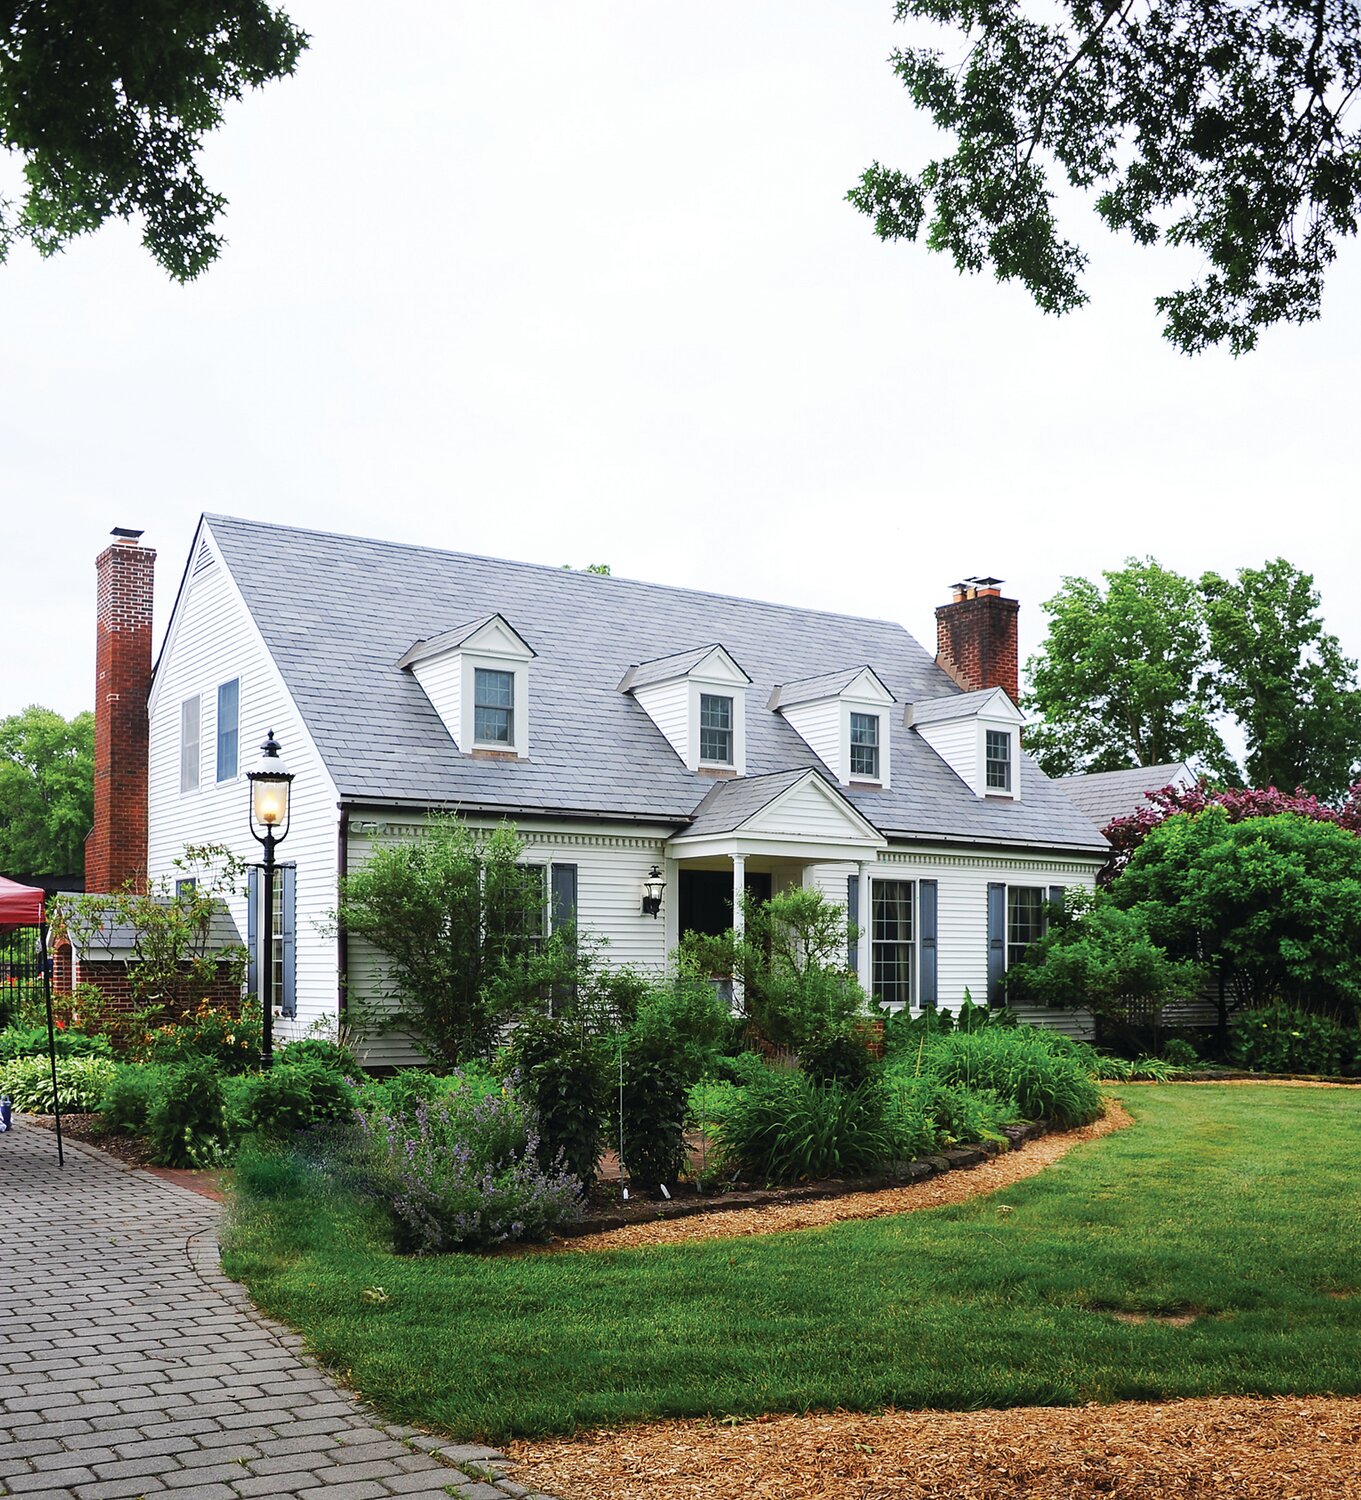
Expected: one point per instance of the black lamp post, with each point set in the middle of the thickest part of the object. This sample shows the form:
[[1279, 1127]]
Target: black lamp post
[[270, 785]]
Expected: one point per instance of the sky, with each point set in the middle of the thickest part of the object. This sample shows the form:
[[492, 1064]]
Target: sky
[[578, 283]]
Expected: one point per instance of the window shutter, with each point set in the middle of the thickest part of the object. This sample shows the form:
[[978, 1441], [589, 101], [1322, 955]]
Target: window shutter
[[927, 898], [852, 921], [253, 932], [997, 943], [287, 875], [563, 904], [1056, 893]]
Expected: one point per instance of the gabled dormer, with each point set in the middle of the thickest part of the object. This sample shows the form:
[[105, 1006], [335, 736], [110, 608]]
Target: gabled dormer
[[978, 735], [845, 720], [477, 678], [697, 699]]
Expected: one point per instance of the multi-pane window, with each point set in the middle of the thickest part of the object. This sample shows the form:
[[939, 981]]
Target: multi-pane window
[[493, 707], [998, 760], [892, 940], [228, 729], [1025, 919], [279, 938], [715, 729], [189, 745], [865, 745]]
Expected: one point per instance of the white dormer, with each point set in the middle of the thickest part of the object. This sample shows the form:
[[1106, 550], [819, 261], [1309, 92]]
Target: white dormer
[[698, 700], [477, 678], [845, 720], [978, 735]]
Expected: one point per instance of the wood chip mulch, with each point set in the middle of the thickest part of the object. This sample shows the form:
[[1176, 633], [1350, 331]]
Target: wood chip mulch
[[1240, 1447], [933, 1192]]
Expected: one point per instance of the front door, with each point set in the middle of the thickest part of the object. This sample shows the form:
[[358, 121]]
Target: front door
[[706, 899]]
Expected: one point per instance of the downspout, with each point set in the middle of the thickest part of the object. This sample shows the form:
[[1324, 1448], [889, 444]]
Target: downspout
[[342, 942]]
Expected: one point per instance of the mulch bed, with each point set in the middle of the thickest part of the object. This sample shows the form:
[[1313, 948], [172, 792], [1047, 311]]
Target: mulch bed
[[1244, 1447]]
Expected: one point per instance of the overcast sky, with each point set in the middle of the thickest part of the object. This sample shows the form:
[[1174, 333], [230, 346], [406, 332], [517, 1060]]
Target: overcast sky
[[578, 283]]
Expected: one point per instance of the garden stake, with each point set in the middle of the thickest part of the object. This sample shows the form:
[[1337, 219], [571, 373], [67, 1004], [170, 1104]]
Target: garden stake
[[623, 1188]]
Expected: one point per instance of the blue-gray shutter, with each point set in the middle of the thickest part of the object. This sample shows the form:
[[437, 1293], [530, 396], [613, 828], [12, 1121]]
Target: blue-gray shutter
[[288, 933], [927, 901], [852, 922], [1056, 894], [997, 943], [253, 932], [563, 904]]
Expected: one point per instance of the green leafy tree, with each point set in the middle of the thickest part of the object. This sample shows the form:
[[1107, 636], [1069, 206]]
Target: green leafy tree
[[1220, 125], [107, 106], [1118, 681], [459, 921], [1284, 678], [46, 791], [1271, 907]]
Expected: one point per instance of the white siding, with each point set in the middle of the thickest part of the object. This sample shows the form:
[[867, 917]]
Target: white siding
[[956, 742], [441, 679], [212, 640], [807, 811], [611, 864], [819, 726], [667, 704]]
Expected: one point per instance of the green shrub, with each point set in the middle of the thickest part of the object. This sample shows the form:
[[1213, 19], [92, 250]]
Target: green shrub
[[904, 1032], [31, 1041], [1139, 1069], [291, 1097], [1038, 1073], [232, 1041], [401, 1093], [319, 1049], [1180, 1053], [927, 1114], [564, 1075], [784, 1127], [187, 1122], [840, 1054], [81, 1082], [654, 1101], [130, 1095], [1281, 1039]]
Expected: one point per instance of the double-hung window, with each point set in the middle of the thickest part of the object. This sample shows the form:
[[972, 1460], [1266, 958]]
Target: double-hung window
[[865, 746], [1025, 919], [494, 707], [228, 729], [998, 770], [189, 744], [892, 941], [715, 729]]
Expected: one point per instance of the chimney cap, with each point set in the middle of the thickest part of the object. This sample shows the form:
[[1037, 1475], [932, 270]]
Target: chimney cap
[[986, 583], [126, 534]]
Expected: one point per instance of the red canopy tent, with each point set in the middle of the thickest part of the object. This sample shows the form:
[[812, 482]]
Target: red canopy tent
[[26, 906]]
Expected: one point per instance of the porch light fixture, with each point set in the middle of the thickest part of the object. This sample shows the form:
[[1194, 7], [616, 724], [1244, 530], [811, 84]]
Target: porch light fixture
[[653, 886], [270, 787]]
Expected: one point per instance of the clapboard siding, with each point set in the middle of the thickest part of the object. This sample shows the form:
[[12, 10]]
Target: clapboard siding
[[213, 640], [956, 742], [667, 704], [441, 678], [819, 726]]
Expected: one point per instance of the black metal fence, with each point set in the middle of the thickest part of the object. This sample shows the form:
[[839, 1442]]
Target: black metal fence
[[21, 977]]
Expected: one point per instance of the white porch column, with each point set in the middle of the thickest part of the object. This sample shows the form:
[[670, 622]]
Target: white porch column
[[862, 943], [739, 886]]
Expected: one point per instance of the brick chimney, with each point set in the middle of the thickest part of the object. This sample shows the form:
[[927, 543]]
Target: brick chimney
[[976, 637], [116, 850]]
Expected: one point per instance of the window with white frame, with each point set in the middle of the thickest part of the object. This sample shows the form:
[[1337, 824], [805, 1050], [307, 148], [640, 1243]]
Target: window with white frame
[[715, 729], [1025, 919], [865, 746], [892, 940], [494, 707], [998, 768], [189, 744], [228, 729]]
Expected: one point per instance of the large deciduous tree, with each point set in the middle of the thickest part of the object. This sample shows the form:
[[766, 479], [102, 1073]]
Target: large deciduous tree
[[1118, 680], [1225, 126], [1284, 678], [46, 791], [107, 105]]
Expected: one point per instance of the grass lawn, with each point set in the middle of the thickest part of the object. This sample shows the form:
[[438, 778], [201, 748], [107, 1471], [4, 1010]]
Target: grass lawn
[[1240, 1203]]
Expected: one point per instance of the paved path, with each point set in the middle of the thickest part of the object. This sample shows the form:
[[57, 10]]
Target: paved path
[[130, 1365]]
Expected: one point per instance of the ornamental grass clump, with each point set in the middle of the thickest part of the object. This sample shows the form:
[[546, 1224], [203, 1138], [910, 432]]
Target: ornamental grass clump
[[463, 1173], [1044, 1079]]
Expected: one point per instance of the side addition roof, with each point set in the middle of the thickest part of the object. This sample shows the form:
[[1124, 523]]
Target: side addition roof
[[1103, 795]]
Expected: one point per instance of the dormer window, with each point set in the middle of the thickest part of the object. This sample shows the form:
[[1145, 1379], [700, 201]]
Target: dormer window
[[477, 679], [999, 760], [715, 729], [865, 746]]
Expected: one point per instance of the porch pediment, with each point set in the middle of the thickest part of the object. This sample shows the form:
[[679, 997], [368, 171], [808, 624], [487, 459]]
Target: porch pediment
[[797, 814]]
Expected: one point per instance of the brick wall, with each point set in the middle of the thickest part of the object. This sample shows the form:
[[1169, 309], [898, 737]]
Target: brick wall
[[110, 978], [976, 641], [116, 850]]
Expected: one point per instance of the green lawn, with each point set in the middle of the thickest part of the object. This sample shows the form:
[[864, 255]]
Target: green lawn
[[1241, 1203]]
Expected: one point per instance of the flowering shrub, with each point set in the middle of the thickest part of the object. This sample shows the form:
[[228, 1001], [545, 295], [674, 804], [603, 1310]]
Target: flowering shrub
[[462, 1173], [231, 1041]]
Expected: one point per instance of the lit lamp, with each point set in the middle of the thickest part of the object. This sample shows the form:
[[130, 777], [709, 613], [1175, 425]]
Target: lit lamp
[[270, 785], [653, 886]]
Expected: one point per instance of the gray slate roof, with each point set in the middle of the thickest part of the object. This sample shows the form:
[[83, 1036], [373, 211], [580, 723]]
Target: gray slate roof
[[956, 706], [116, 939], [666, 668], [730, 803], [813, 689], [448, 640], [1103, 795], [338, 612]]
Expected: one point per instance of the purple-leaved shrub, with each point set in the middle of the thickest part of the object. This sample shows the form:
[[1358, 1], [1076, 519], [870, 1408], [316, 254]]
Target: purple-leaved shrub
[[463, 1173]]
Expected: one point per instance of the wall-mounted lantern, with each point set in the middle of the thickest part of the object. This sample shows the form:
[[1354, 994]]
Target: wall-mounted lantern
[[653, 886]]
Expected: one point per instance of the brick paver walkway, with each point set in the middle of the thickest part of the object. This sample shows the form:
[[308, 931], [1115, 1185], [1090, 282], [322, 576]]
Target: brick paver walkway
[[130, 1365]]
